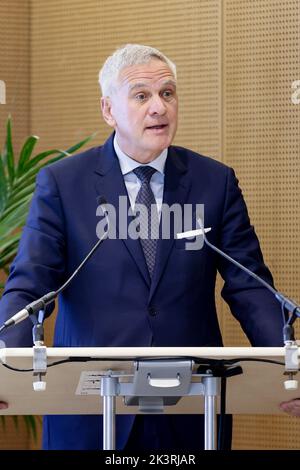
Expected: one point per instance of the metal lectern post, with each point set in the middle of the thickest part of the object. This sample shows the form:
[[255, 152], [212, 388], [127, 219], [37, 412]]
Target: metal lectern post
[[109, 390], [212, 387], [157, 384]]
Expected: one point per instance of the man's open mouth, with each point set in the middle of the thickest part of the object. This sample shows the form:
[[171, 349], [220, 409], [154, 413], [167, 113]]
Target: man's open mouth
[[161, 126]]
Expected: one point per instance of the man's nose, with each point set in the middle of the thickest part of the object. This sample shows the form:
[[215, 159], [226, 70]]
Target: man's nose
[[157, 106]]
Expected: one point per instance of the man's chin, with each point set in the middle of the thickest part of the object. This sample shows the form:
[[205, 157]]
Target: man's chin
[[157, 143], [155, 151], [148, 154]]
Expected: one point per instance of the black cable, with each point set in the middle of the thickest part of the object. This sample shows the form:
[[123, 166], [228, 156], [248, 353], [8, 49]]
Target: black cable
[[42, 302], [222, 416], [203, 361], [253, 359], [16, 370]]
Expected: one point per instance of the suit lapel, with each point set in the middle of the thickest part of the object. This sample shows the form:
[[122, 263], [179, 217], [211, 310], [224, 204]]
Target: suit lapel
[[109, 182], [176, 189]]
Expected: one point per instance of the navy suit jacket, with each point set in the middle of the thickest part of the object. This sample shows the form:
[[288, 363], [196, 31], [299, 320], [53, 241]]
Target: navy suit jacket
[[112, 301]]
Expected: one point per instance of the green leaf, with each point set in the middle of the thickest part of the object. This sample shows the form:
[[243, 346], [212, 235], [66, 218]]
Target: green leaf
[[17, 211], [61, 153], [16, 421], [20, 194], [5, 230], [26, 152], [6, 270], [23, 183], [33, 170], [30, 423], [10, 241], [8, 154], [3, 187], [17, 184], [41, 156], [80, 144], [26, 177], [3, 422], [8, 255]]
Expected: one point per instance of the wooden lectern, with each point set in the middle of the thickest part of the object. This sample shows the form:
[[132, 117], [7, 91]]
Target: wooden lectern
[[96, 380]]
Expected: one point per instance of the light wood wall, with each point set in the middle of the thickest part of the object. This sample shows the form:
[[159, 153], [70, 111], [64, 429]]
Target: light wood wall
[[261, 43], [236, 61], [15, 67], [15, 72]]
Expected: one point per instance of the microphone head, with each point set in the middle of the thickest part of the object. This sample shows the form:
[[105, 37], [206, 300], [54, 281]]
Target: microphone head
[[102, 203], [101, 200]]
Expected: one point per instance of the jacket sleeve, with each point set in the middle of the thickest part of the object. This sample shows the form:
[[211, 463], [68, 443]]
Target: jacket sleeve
[[256, 308], [39, 265]]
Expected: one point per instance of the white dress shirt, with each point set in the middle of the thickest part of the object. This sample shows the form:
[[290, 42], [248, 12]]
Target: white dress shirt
[[133, 183]]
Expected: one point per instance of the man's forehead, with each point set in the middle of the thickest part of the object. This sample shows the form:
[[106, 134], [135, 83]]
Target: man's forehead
[[134, 85], [143, 74]]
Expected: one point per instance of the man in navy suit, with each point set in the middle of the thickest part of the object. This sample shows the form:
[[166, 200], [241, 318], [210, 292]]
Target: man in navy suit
[[134, 292]]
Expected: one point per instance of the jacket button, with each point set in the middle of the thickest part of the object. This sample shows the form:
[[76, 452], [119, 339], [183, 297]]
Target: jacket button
[[152, 311]]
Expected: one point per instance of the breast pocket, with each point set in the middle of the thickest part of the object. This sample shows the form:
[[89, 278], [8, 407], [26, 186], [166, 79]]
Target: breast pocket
[[190, 244]]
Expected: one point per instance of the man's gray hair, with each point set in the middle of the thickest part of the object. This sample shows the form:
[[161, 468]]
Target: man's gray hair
[[130, 54]]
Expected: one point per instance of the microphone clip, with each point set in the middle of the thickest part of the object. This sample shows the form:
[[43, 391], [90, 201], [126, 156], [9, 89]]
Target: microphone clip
[[291, 365], [39, 352], [39, 368], [38, 328]]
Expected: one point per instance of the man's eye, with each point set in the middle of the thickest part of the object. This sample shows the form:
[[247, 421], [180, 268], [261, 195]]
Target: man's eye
[[140, 97], [167, 94]]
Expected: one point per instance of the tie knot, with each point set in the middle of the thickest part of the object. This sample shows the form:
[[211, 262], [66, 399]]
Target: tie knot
[[144, 173]]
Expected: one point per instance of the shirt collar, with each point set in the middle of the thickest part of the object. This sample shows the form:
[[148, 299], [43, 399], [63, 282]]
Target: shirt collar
[[127, 164]]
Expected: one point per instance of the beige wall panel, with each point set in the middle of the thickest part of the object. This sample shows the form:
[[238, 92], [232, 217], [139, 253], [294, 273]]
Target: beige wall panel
[[71, 39], [15, 72], [266, 432], [15, 67], [261, 128], [261, 141]]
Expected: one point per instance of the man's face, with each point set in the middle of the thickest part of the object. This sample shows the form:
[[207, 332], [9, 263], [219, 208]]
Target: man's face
[[143, 110]]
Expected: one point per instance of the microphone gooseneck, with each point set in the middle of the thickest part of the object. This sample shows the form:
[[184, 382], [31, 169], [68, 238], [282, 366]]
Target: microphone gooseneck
[[285, 302], [236, 263], [46, 299]]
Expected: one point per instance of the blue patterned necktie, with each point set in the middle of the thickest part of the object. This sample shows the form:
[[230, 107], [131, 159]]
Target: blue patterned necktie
[[148, 228]]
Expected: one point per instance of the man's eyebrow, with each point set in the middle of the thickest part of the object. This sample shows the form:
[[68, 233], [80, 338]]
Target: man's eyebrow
[[144, 85], [169, 82], [137, 85]]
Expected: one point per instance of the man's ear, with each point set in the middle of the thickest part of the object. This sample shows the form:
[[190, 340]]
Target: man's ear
[[106, 111]]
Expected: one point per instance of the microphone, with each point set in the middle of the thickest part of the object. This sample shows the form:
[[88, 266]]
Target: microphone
[[46, 299], [291, 347], [285, 302]]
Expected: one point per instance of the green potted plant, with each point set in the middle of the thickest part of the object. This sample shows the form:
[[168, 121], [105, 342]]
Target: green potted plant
[[17, 184]]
